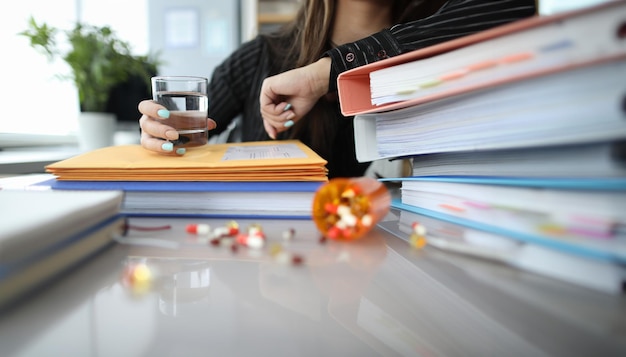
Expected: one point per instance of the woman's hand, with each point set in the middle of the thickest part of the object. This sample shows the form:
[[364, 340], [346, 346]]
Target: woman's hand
[[155, 133], [289, 96]]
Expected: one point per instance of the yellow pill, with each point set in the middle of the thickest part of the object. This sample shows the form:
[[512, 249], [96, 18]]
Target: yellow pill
[[417, 241]]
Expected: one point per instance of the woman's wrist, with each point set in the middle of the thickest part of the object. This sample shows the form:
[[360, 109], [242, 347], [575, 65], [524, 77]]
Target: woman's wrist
[[321, 75]]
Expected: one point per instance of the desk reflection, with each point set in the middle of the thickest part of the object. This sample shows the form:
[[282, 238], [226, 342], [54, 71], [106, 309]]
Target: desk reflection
[[373, 296]]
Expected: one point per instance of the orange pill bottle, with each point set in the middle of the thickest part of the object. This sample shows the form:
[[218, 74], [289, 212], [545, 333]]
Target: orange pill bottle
[[348, 208]]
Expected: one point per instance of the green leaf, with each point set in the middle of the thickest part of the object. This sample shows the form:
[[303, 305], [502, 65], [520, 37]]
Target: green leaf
[[98, 59]]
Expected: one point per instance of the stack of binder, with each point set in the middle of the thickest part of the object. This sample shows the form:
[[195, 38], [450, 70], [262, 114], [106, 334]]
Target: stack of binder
[[516, 134]]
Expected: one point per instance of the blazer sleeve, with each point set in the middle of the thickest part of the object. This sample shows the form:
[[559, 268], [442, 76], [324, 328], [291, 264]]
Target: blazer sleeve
[[456, 18]]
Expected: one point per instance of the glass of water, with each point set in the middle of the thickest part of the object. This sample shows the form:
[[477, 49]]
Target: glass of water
[[186, 99]]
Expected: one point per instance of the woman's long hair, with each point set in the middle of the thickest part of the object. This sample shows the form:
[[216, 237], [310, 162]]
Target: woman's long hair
[[305, 39], [311, 29]]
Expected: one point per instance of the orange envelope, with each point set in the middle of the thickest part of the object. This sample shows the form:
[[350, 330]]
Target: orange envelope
[[288, 160]]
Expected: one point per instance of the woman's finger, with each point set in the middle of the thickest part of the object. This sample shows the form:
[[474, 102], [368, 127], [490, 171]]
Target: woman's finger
[[157, 129], [153, 109]]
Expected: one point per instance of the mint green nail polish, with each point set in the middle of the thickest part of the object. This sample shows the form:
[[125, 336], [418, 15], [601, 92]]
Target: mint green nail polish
[[288, 123], [287, 107], [163, 113], [167, 146], [181, 151]]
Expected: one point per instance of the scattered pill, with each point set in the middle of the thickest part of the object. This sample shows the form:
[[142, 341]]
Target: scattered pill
[[255, 229], [215, 241], [199, 229], [289, 234], [141, 274], [138, 278], [283, 258], [297, 259], [419, 229], [417, 239], [233, 228], [255, 242], [221, 232], [274, 249]]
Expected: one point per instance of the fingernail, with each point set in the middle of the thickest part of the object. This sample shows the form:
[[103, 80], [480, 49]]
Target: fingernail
[[171, 135], [167, 146], [181, 151], [163, 113], [288, 123], [287, 107]]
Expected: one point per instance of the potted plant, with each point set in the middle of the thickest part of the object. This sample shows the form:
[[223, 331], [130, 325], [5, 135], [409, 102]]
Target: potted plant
[[100, 64]]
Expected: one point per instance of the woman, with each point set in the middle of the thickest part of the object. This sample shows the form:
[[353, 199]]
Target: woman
[[302, 103]]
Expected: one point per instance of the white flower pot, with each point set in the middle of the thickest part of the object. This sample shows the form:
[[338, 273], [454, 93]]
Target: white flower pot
[[95, 130]]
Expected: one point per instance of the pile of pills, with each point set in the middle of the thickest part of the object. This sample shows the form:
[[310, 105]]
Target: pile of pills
[[347, 214], [346, 209]]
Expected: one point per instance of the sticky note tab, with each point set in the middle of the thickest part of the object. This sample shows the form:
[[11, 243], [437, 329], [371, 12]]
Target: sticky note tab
[[453, 75], [430, 83], [559, 45], [482, 65], [407, 90], [518, 57]]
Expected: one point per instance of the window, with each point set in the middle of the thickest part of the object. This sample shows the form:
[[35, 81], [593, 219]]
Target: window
[[34, 99]]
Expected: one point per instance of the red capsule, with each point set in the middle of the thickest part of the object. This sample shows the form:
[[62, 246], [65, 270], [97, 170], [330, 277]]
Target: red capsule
[[200, 229]]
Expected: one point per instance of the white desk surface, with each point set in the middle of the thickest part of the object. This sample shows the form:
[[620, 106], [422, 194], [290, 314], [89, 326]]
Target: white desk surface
[[375, 296]]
